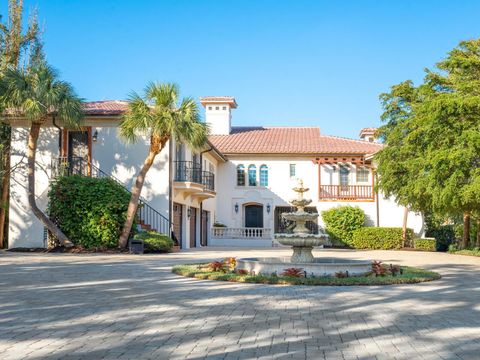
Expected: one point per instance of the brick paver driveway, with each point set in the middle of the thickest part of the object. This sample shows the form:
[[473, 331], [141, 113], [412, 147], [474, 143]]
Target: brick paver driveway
[[132, 307]]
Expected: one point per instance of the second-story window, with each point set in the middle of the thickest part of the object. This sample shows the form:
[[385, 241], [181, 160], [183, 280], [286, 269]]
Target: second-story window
[[240, 175], [362, 174], [344, 176], [263, 175], [252, 175], [293, 170]]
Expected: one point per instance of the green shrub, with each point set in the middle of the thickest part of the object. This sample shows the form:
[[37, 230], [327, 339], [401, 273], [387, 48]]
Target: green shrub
[[154, 242], [380, 238], [89, 211], [425, 244], [342, 221], [445, 234]]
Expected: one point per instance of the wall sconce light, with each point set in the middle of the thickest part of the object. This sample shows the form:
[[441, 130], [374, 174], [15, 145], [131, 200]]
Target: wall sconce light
[[334, 168], [236, 208], [189, 212], [95, 136], [268, 208]]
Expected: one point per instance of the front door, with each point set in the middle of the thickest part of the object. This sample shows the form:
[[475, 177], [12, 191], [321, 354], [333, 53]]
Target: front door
[[193, 227], [78, 152], [205, 216], [177, 223], [254, 216]]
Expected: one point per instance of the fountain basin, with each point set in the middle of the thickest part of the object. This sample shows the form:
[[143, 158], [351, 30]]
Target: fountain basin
[[319, 267]]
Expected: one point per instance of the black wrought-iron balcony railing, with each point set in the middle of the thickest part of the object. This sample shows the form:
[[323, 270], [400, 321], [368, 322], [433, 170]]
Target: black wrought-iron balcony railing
[[192, 172]]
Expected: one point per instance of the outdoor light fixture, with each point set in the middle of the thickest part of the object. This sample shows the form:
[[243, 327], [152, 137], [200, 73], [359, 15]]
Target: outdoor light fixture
[[268, 208], [95, 136], [236, 207], [189, 212]]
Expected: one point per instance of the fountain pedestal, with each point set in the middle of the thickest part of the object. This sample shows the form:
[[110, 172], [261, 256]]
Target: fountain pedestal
[[302, 254]]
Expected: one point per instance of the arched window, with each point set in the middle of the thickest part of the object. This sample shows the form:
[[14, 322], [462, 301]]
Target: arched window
[[240, 175], [263, 175], [252, 175]]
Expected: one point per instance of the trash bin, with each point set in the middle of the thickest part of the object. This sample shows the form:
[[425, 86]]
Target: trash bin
[[136, 246]]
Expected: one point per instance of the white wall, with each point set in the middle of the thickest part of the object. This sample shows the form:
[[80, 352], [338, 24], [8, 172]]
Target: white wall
[[279, 192], [219, 120], [25, 230], [115, 157]]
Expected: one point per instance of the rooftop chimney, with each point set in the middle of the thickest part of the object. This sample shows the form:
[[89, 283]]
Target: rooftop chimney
[[368, 134], [218, 113]]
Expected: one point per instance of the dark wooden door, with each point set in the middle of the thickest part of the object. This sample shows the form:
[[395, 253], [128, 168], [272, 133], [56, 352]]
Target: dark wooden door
[[205, 216], [177, 223], [78, 152], [254, 216], [193, 227]]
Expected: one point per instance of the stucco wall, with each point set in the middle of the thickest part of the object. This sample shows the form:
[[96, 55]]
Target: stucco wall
[[279, 192], [25, 230], [115, 157]]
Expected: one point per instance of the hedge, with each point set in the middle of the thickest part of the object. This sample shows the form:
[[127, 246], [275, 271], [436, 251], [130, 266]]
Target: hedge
[[425, 244], [342, 221], [89, 211], [154, 242], [379, 238]]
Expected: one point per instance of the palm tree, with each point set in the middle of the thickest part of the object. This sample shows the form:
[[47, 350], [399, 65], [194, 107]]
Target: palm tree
[[37, 94], [159, 115]]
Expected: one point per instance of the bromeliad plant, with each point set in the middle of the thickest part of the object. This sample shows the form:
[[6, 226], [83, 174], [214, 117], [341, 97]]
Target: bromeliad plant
[[293, 272], [217, 266]]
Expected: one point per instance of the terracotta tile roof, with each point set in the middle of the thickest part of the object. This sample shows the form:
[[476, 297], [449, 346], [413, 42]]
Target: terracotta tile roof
[[368, 131], [105, 107], [219, 99], [288, 140]]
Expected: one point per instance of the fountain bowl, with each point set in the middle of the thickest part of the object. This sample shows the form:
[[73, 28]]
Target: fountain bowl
[[320, 267]]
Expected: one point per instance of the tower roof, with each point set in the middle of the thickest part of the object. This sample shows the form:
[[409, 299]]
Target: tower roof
[[230, 100]]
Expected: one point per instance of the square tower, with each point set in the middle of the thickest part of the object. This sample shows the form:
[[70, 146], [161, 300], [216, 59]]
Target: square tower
[[218, 113]]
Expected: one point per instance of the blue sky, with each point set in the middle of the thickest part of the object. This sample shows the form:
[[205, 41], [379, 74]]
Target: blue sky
[[321, 63]]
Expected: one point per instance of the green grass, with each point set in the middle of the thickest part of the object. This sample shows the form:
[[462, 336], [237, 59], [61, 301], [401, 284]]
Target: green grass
[[470, 252], [410, 275]]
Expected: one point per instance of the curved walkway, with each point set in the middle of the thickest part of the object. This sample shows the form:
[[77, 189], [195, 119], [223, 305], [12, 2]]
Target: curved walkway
[[131, 307]]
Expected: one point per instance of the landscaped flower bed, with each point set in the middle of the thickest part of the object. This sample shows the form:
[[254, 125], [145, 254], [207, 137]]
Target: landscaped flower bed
[[388, 275]]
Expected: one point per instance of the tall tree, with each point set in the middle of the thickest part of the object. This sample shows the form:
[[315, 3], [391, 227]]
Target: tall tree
[[432, 133], [16, 46], [37, 94], [159, 115]]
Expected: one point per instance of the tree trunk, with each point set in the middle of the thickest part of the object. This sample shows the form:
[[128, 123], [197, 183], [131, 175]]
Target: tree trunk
[[466, 230], [133, 204], [478, 233], [404, 226], [32, 148], [4, 197]]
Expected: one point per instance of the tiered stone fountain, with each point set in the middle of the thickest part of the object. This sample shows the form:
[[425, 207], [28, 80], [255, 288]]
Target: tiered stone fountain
[[302, 243]]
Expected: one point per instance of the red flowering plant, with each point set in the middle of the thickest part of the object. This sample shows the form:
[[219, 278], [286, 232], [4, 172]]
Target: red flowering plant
[[293, 272], [379, 269], [217, 266]]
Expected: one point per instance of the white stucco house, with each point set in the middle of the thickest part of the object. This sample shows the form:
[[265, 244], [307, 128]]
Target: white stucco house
[[241, 180]]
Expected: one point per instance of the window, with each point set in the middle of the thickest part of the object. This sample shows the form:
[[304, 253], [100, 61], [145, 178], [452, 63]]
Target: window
[[224, 108], [292, 170], [211, 168], [217, 108], [362, 174], [240, 175], [263, 175], [344, 175], [252, 175], [209, 108]]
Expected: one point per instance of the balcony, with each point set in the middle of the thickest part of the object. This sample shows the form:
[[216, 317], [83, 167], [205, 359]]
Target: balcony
[[191, 180], [346, 193]]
